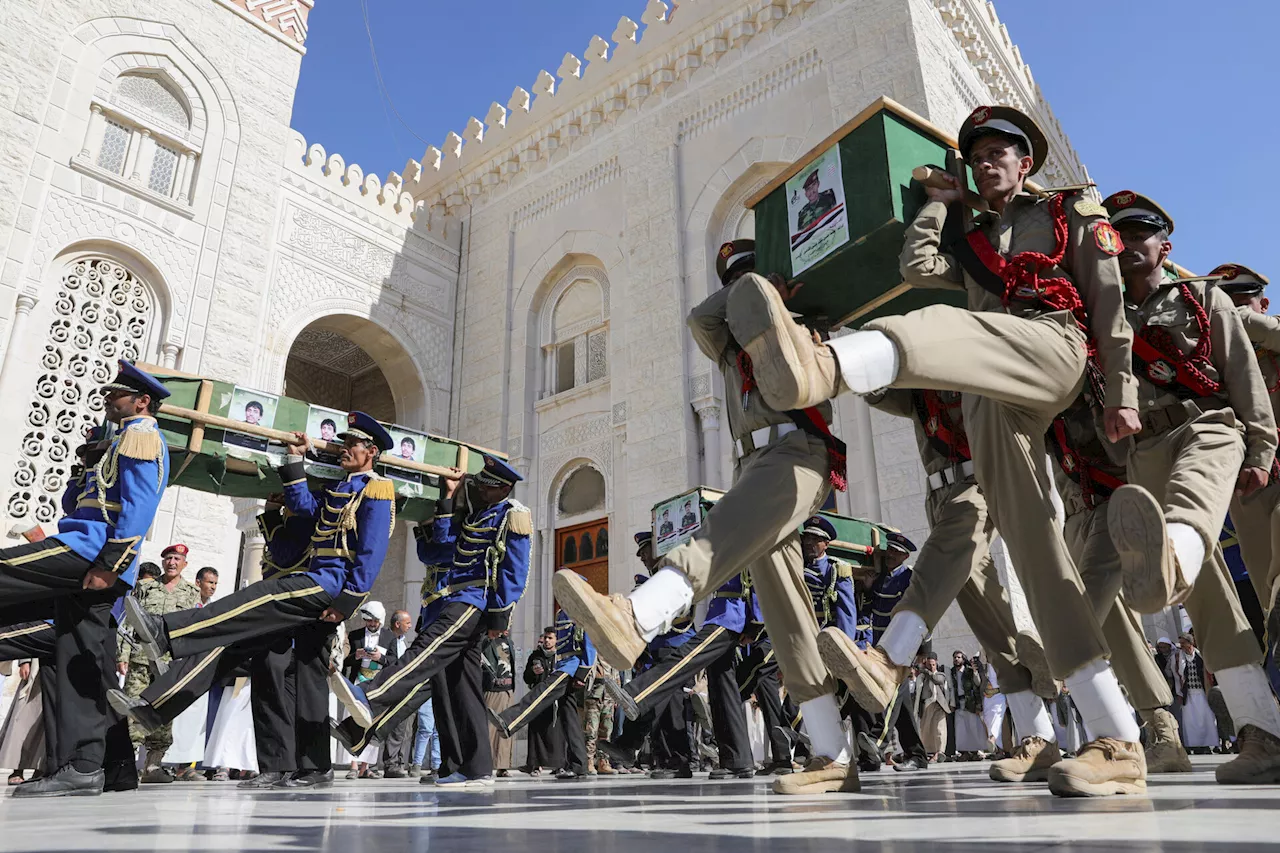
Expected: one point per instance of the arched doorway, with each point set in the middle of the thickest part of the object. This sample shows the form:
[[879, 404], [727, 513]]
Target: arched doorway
[[582, 542]]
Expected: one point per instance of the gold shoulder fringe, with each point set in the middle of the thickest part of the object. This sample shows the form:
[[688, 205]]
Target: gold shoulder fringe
[[380, 490], [843, 569], [141, 443], [520, 521]]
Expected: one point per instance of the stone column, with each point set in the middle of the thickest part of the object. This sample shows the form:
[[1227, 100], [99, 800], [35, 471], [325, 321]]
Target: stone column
[[139, 155], [414, 573], [169, 354], [186, 176], [93, 133], [708, 411], [17, 337], [247, 511]]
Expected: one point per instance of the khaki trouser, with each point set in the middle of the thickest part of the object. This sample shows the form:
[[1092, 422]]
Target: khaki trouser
[[1257, 522], [1089, 541], [1191, 471], [933, 729], [756, 525], [954, 564], [1016, 376]]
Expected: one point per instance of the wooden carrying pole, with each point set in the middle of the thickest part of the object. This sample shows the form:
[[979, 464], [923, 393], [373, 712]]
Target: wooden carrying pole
[[203, 419], [936, 178]]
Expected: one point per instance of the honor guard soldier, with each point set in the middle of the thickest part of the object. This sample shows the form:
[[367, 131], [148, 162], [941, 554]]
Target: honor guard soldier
[[713, 648], [575, 658], [1045, 310], [1208, 429], [353, 520], [1252, 515], [84, 568], [487, 552], [784, 451]]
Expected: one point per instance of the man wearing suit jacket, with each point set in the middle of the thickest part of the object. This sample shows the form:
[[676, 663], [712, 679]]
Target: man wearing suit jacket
[[368, 646], [396, 752], [934, 702]]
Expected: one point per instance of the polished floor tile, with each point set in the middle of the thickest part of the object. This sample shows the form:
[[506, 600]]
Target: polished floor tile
[[951, 807]]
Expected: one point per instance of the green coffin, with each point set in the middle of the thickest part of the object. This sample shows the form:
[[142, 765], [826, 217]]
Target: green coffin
[[246, 472], [856, 539], [850, 273]]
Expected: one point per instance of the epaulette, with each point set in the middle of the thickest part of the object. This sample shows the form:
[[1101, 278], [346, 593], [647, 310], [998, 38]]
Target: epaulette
[[519, 518], [141, 439], [843, 570], [1049, 192], [380, 489]]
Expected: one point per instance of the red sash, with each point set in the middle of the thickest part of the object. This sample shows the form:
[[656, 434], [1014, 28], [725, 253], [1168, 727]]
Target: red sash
[[1157, 357], [1096, 484], [811, 421], [945, 436]]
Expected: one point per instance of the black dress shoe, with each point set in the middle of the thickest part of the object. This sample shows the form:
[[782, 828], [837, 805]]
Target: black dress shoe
[[307, 779], [684, 773], [564, 774], [135, 710], [428, 777], [720, 773], [865, 766], [911, 765], [496, 719], [67, 782], [149, 631], [339, 734], [120, 776], [662, 773], [266, 779], [396, 771]]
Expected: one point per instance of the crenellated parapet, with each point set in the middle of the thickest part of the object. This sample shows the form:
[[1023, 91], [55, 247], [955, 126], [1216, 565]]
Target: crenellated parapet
[[588, 93], [386, 201], [986, 44]]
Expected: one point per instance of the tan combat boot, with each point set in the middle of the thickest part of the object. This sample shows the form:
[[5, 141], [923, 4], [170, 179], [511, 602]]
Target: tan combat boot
[[606, 619], [1152, 578], [871, 677], [1102, 767], [1165, 754], [821, 775], [791, 369], [1258, 762], [1030, 761]]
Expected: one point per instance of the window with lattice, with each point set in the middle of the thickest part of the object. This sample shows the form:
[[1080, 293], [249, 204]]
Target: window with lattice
[[102, 313], [163, 166], [115, 145], [576, 353]]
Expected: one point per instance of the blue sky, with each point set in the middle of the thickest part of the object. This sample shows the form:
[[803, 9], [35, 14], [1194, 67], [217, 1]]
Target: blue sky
[[1165, 98]]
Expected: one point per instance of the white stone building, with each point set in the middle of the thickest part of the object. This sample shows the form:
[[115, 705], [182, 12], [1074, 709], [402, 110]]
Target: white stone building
[[522, 288]]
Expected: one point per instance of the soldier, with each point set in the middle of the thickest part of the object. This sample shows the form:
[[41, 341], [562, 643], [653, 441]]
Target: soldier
[[713, 648], [1253, 515], [1208, 427], [757, 674], [487, 552], [352, 525], [575, 659], [81, 572], [597, 717], [1044, 294], [787, 463], [170, 593], [818, 202]]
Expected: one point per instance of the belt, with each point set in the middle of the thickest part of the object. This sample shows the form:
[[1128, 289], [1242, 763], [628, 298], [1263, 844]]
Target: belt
[[1157, 421], [948, 476], [761, 438], [445, 591], [738, 596]]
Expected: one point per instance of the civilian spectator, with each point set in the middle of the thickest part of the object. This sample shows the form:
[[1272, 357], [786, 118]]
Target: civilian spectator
[[366, 650], [933, 705], [426, 744], [22, 745], [395, 752], [498, 673], [207, 582], [545, 747], [1199, 727]]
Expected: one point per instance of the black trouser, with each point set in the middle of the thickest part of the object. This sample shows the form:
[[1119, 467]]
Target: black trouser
[[36, 640], [560, 691], [274, 702], [758, 673], [668, 733], [450, 647], [546, 746], [713, 648], [302, 710], [34, 577], [895, 717], [268, 607]]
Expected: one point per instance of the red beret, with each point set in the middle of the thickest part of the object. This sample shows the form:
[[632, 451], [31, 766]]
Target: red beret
[[177, 549]]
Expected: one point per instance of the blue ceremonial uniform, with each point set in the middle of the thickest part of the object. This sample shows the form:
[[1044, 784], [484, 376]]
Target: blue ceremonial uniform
[[575, 655], [876, 605], [287, 540], [830, 583], [119, 499], [351, 532], [482, 561], [730, 604]]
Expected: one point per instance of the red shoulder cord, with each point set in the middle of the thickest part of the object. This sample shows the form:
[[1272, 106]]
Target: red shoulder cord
[[1201, 355], [811, 421]]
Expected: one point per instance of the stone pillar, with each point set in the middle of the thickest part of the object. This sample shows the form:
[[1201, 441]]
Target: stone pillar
[[186, 175], [169, 354], [93, 133], [17, 337], [247, 511], [708, 411], [414, 573], [139, 154]]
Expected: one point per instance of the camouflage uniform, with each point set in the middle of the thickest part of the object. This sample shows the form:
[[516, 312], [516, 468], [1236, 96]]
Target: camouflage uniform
[[158, 599], [597, 717]]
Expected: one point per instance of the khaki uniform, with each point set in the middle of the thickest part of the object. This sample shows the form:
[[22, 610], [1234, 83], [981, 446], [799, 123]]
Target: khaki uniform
[[1191, 466], [157, 599], [1257, 517], [756, 524], [954, 563], [1018, 368]]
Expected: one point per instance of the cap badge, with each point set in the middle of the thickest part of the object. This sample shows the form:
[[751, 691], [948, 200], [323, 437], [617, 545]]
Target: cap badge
[[980, 116]]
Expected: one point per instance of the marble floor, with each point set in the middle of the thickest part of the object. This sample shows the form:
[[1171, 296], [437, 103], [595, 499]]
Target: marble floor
[[950, 807]]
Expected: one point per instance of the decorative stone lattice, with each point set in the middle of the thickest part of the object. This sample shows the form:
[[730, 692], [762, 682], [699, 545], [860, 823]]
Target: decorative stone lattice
[[154, 99], [597, 356], [102, 313]]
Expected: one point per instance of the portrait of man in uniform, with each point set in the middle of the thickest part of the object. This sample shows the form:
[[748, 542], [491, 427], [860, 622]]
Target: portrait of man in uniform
[[819, 202], [688, 517], [666, 528]]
